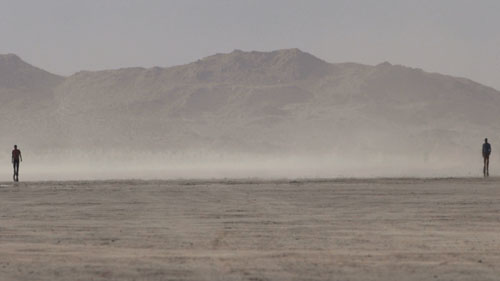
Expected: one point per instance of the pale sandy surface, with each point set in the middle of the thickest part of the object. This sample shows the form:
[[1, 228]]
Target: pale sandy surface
[[385, 229]]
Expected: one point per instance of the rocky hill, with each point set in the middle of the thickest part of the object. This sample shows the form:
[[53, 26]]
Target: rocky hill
[[27, 103], [256, 103]]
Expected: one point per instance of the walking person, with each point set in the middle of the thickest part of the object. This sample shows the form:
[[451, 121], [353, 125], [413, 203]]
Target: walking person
[[486, 157], [16, 158]]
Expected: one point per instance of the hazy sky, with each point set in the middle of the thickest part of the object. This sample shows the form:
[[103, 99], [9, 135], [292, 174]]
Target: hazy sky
[[450, 36]]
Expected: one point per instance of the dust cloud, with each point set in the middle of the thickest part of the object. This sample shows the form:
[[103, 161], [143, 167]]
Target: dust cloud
[[218, 166]]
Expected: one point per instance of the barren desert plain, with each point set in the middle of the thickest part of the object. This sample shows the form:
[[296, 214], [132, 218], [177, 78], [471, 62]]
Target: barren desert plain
[[342, 229]]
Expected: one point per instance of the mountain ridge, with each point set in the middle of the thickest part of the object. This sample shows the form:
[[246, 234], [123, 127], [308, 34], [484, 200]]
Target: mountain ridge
[[16, 58], [16, 73], [261, 103]]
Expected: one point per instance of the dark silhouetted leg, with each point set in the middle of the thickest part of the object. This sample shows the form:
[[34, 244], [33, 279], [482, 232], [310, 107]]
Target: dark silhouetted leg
[[484, 166], [16, 171], [488, 166]]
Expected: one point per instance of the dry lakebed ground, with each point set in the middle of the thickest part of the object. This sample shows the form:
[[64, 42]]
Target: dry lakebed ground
[[344, 229]]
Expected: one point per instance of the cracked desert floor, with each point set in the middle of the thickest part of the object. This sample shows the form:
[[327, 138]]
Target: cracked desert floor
[[366, 229]]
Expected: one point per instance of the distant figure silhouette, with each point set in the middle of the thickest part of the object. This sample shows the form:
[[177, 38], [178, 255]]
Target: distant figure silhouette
[[486, 157], [16, 158]]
